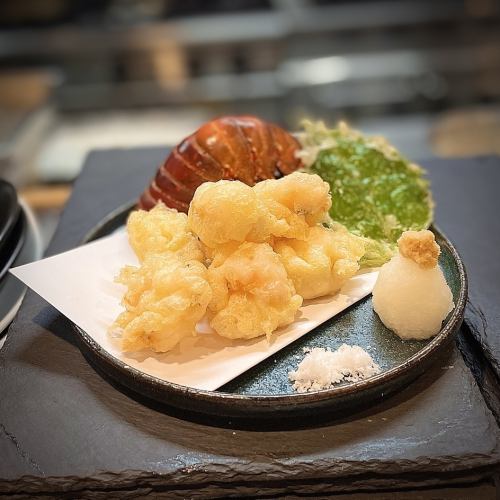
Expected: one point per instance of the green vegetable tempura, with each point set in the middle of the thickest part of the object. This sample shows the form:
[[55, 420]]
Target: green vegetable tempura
[[376, 193]]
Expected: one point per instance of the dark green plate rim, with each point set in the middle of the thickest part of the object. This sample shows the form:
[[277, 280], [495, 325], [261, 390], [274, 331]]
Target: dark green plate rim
[[336, 400]]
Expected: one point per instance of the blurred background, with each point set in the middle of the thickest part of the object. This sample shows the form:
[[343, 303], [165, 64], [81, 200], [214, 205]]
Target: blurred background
[[77, 75]]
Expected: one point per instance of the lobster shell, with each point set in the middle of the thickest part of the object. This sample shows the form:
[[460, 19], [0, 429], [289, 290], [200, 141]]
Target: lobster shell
[[231, 147]]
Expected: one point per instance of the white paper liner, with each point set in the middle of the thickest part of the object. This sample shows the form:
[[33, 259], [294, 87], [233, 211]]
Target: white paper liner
[[80, 284]]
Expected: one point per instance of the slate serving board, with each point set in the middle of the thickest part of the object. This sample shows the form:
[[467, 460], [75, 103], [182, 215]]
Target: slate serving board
[[64, 428], [468, 207]]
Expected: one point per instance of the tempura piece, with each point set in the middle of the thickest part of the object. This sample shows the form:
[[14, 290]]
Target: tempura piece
[[165, 298], [162, 230], [377, 193], [252, 294], [227, 211], [295, 203], [248, 289], [411, 295], [323, 262]]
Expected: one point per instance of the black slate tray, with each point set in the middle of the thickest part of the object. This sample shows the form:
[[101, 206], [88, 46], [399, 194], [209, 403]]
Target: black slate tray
[[468, 208], [63, 428]]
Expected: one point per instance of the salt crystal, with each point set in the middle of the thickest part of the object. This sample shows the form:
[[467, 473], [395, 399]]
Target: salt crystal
[[322, 368]]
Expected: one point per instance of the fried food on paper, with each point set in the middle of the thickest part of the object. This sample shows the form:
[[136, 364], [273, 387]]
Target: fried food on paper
[[162, 230], [323, 262], [246, 256], [227, 212], [295, 203], [165, 298], [252, 294]]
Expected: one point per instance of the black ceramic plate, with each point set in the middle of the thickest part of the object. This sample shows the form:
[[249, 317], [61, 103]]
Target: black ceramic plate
[[13, 244], [9, 211], [264, 391], [11, 289]]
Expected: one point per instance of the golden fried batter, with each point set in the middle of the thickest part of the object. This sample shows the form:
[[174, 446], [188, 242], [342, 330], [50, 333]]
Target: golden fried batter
[[267, 251], [165, 298], [252, 294], [294, 203], [421, 247], [227, 211], [230, 211], [322, 263], [162, 230]]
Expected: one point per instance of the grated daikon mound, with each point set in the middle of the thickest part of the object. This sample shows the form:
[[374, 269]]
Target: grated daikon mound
[[322, 368], [220, 261], [411, 300]]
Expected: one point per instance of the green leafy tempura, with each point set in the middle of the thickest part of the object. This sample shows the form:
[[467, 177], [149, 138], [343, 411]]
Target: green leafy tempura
[[376, 193]]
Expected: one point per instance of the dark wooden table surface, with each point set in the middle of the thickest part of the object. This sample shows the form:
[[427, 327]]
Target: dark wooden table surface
[[66, 430]]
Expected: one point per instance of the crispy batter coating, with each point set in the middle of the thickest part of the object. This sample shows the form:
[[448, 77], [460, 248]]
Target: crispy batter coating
[[230, 211], [294, 202], [165, 298], [421, 247], [250, 288], [162, 230], [322, 263], [252, 294], [227, 211]]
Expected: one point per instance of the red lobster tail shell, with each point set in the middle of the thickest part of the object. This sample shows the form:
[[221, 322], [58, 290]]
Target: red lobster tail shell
[[231, 147]]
